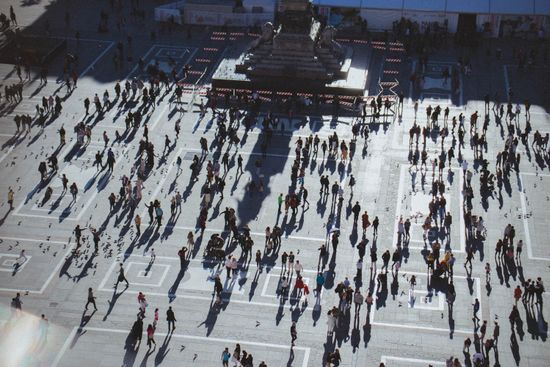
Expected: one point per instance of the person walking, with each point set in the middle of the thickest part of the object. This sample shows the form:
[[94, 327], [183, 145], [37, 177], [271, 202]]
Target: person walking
[[121, 277], [91, 299], [11, 195], [483, 330], [171, 318], [487, 273], [476, 306], [375, 223], [151, 336]]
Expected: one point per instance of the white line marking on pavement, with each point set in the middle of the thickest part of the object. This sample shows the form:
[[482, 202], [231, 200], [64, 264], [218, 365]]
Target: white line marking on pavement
[[65, 346], [400, 192], [111, 268], [385, 360], [221, 230], [535, 174], [96, 60], [461, 211], [176, 258], [31, 240], [210, 299], [55, 270], [96, 192], [526, 224], [4, 156], [478, 290], [430, 328], [159, 116], [160, 185], [109, 273], [254, 153], [306, 350], [416, 327]]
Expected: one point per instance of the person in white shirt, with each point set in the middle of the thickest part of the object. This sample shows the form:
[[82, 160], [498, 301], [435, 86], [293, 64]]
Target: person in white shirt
[[298, 268], [20, 260]]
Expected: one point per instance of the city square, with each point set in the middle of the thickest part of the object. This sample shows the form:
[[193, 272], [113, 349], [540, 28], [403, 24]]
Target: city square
[[297, 195]]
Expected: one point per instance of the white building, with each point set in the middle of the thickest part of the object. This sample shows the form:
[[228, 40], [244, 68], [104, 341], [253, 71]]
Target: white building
[[496, 17]]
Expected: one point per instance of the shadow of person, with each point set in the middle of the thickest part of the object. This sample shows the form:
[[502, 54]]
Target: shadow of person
[[84, 320], [366, 332], [290, 361], [146, 358], [514, 347], [163, 350], [355, 338], [211, 318], [113, 300]]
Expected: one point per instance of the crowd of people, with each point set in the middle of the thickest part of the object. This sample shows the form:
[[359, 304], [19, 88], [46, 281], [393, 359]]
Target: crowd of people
[[233, 118]]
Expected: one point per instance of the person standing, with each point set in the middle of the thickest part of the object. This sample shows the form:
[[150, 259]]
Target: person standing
[[517, 295], [13, 18], [298, 268], [171, 318], [496, 332], [137, 221], [356, 210], [87, 105], [43, 328], [78, 234], [155, 318], [16, 304], [375, 223], [293, 333], [239, 164], [11, 195], [91, 299], [228, 266], [226, 356], [487, 273], [96, 237]]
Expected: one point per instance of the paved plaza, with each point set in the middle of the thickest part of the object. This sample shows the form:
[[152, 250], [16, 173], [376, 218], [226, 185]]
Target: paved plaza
[[404, 324]]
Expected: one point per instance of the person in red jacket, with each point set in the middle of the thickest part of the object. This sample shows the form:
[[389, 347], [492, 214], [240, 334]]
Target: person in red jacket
[[517, 294]]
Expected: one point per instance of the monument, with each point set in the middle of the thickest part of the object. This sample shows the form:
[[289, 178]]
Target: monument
[[298, 55]]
